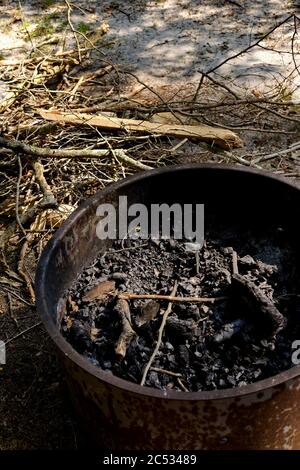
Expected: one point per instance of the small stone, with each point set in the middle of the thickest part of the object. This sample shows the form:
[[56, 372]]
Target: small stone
[[204, 308], [247, 261], [107, 365], [121, 277], [192, 247], [172, 243], [183, 353], [227, 250]]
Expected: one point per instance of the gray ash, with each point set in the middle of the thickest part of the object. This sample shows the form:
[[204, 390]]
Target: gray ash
[[212, 346]]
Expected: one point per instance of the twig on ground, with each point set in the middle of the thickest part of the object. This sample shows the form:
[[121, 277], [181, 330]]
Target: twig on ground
[[130, 248], [11, 311], [167, 372], [18, 197], [235, 268], [14, 294], [294, 147], [181, 385], [170, 298], [128, 333], [49, 199], [22, 333], [39, 152], [251, 46], [160, 333], [293, 43], [22, 269], [73, 29]]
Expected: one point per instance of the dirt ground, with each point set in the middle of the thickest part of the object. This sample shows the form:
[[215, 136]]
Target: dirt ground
[[157, 53]]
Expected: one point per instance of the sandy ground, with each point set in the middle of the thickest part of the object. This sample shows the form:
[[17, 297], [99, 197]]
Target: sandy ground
[[170, 42], [173, 41]]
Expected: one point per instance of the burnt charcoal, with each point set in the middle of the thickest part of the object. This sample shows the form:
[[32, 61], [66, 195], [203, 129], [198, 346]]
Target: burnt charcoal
[[183, 355], [106, 364], [229, 330], [193, 312], [153, 379], [169, 346], [259, 304], [228, 343], [180, 329], [120, 277], [79, 335]]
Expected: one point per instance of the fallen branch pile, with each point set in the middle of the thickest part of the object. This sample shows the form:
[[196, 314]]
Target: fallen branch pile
[[70, 126]]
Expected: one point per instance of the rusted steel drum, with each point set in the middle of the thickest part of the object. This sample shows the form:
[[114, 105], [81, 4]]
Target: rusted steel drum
[[121, 415]]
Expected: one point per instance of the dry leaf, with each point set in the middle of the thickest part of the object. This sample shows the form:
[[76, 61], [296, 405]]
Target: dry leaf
[[100, 291]]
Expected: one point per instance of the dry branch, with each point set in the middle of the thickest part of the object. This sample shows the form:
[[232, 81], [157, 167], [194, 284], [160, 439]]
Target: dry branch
[[22, 269], [167, 372], [48, 197], [160, 333], [222, 137], [170, 298], [127, 334], [39, 152]]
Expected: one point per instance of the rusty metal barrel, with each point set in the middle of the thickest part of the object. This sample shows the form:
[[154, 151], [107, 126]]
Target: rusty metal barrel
[[118, 414]]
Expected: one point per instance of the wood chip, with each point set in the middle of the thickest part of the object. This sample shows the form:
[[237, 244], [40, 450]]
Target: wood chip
[[74, 307], [148, 312], [100, 291], [127, 334], [213, 135]]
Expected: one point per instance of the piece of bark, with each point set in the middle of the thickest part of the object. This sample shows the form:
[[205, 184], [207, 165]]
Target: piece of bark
[[213, 135], [173, 118], [100, 291], [128, 333], [148, 312], [259, 304]]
